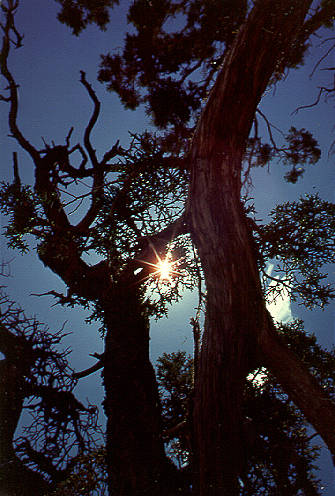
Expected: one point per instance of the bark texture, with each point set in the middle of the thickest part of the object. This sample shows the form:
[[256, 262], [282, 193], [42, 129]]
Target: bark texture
[[238, 330]]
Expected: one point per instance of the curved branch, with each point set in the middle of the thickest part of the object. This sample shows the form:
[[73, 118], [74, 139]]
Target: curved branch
[[92, 121], [89, 371], [322, 59], [269, 125], [12, 86], [322, 89], [98, 172]]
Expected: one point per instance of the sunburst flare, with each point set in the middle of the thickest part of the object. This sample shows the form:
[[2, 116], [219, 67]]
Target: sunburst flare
[[164, 267]]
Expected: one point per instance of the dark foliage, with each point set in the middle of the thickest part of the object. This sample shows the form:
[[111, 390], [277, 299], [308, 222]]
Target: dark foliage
[[300, 240], [174, 43], [36, 378], [78, 14], [132, 214]]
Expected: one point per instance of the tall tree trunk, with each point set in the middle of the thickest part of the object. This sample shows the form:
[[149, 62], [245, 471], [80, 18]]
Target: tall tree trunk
[[136, 460], [234, 308], [135, 451], [238, 330]]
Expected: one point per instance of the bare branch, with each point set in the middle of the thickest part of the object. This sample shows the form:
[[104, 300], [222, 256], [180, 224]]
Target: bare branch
[[62, 299], [322, 90], [9, 28], [89, 371], [115, 150], [269, 125], [67, 139], [98, 172], [92, 121], [321, 59]]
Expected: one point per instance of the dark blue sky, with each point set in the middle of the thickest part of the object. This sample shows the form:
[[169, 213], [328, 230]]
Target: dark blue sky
[[52, 101]]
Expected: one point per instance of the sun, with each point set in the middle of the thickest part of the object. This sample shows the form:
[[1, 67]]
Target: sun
[[165, 269]]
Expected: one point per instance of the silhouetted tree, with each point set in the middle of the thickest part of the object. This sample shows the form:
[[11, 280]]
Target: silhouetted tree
[[242, 48], [281, 456], [128, 224]]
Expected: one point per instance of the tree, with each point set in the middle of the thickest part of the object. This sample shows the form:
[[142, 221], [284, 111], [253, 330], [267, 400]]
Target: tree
[[125, 207], [245, 49], [281, 454], [36, 376], [245, 324]]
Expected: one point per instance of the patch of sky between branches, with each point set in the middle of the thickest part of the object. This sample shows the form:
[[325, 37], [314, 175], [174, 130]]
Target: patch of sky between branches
[[280, 307]]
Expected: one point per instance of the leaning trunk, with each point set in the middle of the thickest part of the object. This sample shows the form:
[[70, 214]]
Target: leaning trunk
[[238, 330], [234, 310], [302, 388]]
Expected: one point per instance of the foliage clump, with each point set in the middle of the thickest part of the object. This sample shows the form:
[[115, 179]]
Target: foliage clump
[[300, 239]]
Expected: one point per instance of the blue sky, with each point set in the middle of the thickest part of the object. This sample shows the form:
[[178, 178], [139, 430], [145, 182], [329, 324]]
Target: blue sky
[[52, 101]]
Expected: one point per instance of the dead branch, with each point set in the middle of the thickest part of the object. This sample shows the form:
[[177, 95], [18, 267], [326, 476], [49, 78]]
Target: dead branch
[[322, 90], [269, 126], [8, 28], [92, 121], [321, 59], [115, 150], [89, 371]]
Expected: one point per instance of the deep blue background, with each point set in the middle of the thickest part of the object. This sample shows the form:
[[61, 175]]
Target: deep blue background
[[52, 101]]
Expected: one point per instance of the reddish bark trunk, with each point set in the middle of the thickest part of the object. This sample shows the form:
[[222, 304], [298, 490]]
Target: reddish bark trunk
[[238, 330], [234, 308]]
